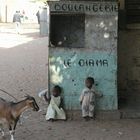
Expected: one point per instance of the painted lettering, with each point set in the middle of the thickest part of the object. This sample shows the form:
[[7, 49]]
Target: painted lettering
[[99, 62], [57, 7], [116, 8], [81, 62], [76, 8], [64, 7], [105, 63], [95, 8], [88, 8], [70, 7], [107, 9], [79, 7], [101, 9], [67, 63], [88, 63], [92, 62]]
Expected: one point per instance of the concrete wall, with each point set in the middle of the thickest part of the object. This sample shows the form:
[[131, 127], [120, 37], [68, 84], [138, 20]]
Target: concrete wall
[[97, 58], [129, 64]]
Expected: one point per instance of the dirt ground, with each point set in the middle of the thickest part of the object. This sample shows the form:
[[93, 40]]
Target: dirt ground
[[39, 129], [36, 128], [23, 69], [23, 60]]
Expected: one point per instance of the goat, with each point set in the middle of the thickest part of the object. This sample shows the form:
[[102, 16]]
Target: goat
[[10, 112]]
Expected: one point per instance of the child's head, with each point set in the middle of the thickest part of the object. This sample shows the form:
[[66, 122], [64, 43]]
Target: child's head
[[56, 91], [89, 82]]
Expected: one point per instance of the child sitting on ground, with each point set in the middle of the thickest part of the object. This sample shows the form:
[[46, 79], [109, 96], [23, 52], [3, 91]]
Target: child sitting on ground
[[87, 99], [55, 110]]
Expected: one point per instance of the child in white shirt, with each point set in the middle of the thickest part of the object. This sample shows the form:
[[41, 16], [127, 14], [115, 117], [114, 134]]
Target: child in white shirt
[[87, 99]]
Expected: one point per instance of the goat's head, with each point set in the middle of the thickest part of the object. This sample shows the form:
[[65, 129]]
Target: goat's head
[[31, 102]]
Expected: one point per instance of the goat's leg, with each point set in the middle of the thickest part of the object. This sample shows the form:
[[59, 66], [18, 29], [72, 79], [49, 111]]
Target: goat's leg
[[12, 135], [11, 132], [2, 130], [16, 122]]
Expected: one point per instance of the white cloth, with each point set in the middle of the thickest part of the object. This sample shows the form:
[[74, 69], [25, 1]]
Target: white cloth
[[53, 111], [87, 99], [42, 93], [18, 27]]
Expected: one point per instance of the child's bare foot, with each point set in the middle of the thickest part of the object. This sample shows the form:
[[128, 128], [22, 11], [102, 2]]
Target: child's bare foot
[[86, 118], [92, 118], [51, 120]]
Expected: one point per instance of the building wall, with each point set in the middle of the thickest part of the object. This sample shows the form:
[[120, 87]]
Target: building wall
[[129, 64], [7, 9], [122, 4], [97, 56], [2, 11]]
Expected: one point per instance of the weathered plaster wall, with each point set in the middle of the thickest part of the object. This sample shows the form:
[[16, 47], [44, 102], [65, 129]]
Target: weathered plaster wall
[[70, 70], [2, 10], [98, 58]]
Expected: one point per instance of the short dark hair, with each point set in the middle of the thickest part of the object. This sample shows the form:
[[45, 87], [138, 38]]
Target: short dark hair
[[17, 11], [90, 79], [58, 88]]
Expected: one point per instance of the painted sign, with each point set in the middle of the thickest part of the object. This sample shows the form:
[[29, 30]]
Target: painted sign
[[87, 62], [82, 7]]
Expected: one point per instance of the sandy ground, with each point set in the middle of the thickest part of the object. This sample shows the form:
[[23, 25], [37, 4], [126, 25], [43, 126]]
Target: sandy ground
[[36, 128], [23, 60], [39, 129], [23, 69]]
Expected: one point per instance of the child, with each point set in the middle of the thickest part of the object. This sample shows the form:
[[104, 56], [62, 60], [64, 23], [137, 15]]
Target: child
[[87, 99], [55, 111]]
